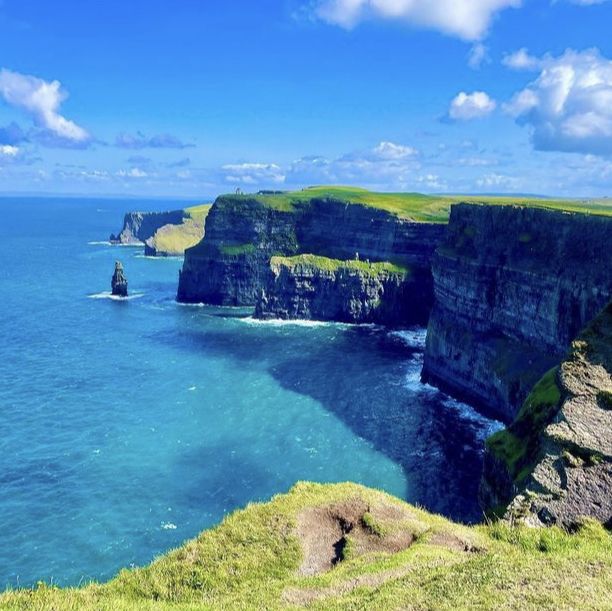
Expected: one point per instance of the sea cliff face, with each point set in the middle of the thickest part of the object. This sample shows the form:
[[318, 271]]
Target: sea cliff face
[[513, 286], [318, 288], [553, 465], [138, 227], [231, 266]]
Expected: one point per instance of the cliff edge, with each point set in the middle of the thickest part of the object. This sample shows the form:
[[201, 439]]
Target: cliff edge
[[553, 465]]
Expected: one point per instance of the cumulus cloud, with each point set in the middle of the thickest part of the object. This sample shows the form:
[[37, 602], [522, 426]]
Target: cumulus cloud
[[41, 100], [252, 173], [391, 150], [569, 105], [521, 60], [466, 19], [141, 141], [387, 163], [466, 106]]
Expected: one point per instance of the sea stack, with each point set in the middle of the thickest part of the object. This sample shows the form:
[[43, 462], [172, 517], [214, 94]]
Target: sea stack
[[119, 282]]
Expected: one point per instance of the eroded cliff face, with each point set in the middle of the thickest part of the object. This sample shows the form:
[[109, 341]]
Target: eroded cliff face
[[231, 266], [318, 288], [553, 465], [138, 227], [513, 286]]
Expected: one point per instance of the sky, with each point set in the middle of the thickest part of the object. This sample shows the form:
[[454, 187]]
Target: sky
[[193, 98]]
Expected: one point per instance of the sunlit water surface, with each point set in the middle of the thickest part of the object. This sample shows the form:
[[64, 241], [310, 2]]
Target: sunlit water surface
[[128, 427]]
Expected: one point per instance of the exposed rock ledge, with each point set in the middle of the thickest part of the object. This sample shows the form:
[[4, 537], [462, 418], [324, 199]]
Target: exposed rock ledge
[[554, 463], [513, 286], [318, 288]]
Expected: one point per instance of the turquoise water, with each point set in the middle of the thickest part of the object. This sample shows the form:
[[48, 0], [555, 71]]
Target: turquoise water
[[128, 427]]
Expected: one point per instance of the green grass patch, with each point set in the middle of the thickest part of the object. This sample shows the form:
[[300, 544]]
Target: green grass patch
[[251, 560], [238, 249], [518, 445], [335, 265], [415, 206]]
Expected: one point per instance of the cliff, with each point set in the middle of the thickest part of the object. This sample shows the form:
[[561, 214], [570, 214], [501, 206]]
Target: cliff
[[231, 266], [318, 288], [173, 239], [513, 286], [140, 226], [344, 546], [553, 465]]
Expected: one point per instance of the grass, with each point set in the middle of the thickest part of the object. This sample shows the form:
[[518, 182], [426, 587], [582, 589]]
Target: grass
[[175, 239], [249, 560], [237, 249], [417, 206], [518, 445], [334, 265]]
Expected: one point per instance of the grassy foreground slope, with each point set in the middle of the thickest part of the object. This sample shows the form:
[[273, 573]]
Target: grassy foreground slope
[[416, 206], [388, 555]]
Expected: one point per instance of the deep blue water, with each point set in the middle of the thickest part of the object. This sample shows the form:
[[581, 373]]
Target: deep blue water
[[128, 427]]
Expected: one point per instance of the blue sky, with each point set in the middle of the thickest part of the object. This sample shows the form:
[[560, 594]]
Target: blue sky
[[194, 98]]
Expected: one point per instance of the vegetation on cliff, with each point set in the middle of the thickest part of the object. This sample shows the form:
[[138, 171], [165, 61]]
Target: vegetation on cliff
[[558, 451], [345, 546], [415, 206], [174, 239], [334, 265]]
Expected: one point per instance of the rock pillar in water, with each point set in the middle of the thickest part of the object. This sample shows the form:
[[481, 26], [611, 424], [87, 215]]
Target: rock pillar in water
[[119, 282]]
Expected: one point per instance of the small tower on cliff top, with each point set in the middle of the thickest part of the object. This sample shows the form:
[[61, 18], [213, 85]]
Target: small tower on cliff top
[[119, 282]]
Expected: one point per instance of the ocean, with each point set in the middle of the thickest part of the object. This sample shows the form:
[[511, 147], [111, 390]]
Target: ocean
[[130, 426]]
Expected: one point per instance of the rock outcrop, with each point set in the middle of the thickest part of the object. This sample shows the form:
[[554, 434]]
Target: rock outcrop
[[318, 288], [119, 282], [513, 286], [553, 465], [138, 227], [231, 266]]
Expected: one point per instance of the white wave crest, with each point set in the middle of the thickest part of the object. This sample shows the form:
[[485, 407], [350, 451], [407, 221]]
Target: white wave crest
[[99, 243], [414, 338], [109, 295]]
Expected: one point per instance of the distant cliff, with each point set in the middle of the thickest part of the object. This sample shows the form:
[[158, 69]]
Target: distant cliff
[[231, 266], [164, 233], [554, 463], [140, 226], [513, 286]]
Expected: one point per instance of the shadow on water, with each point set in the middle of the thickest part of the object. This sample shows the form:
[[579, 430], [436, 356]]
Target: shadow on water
[[369, 379]]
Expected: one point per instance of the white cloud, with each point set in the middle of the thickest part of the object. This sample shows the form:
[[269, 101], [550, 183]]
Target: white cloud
[[132, 173], [253, 173], [521, 60], [42, 100], [498, 181], [466, 19], [569, 105], [390, 150], [477, 56], [9, 150], [467, 106]]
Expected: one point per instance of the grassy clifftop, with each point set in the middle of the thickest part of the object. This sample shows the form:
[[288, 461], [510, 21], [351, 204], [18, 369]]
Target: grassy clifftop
[[345, 546], [175, 239], [416, 206], [335, 265]]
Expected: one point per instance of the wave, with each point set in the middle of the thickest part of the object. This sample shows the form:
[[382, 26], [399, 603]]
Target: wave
[[109, 295], [100, 243], [300, 322], [172, 258], [486, 426], [414, 338]]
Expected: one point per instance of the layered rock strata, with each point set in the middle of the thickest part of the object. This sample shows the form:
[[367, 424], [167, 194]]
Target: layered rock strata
[[354, 291], [138, 227], [231, 266], [553, 465], [513, 286]]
